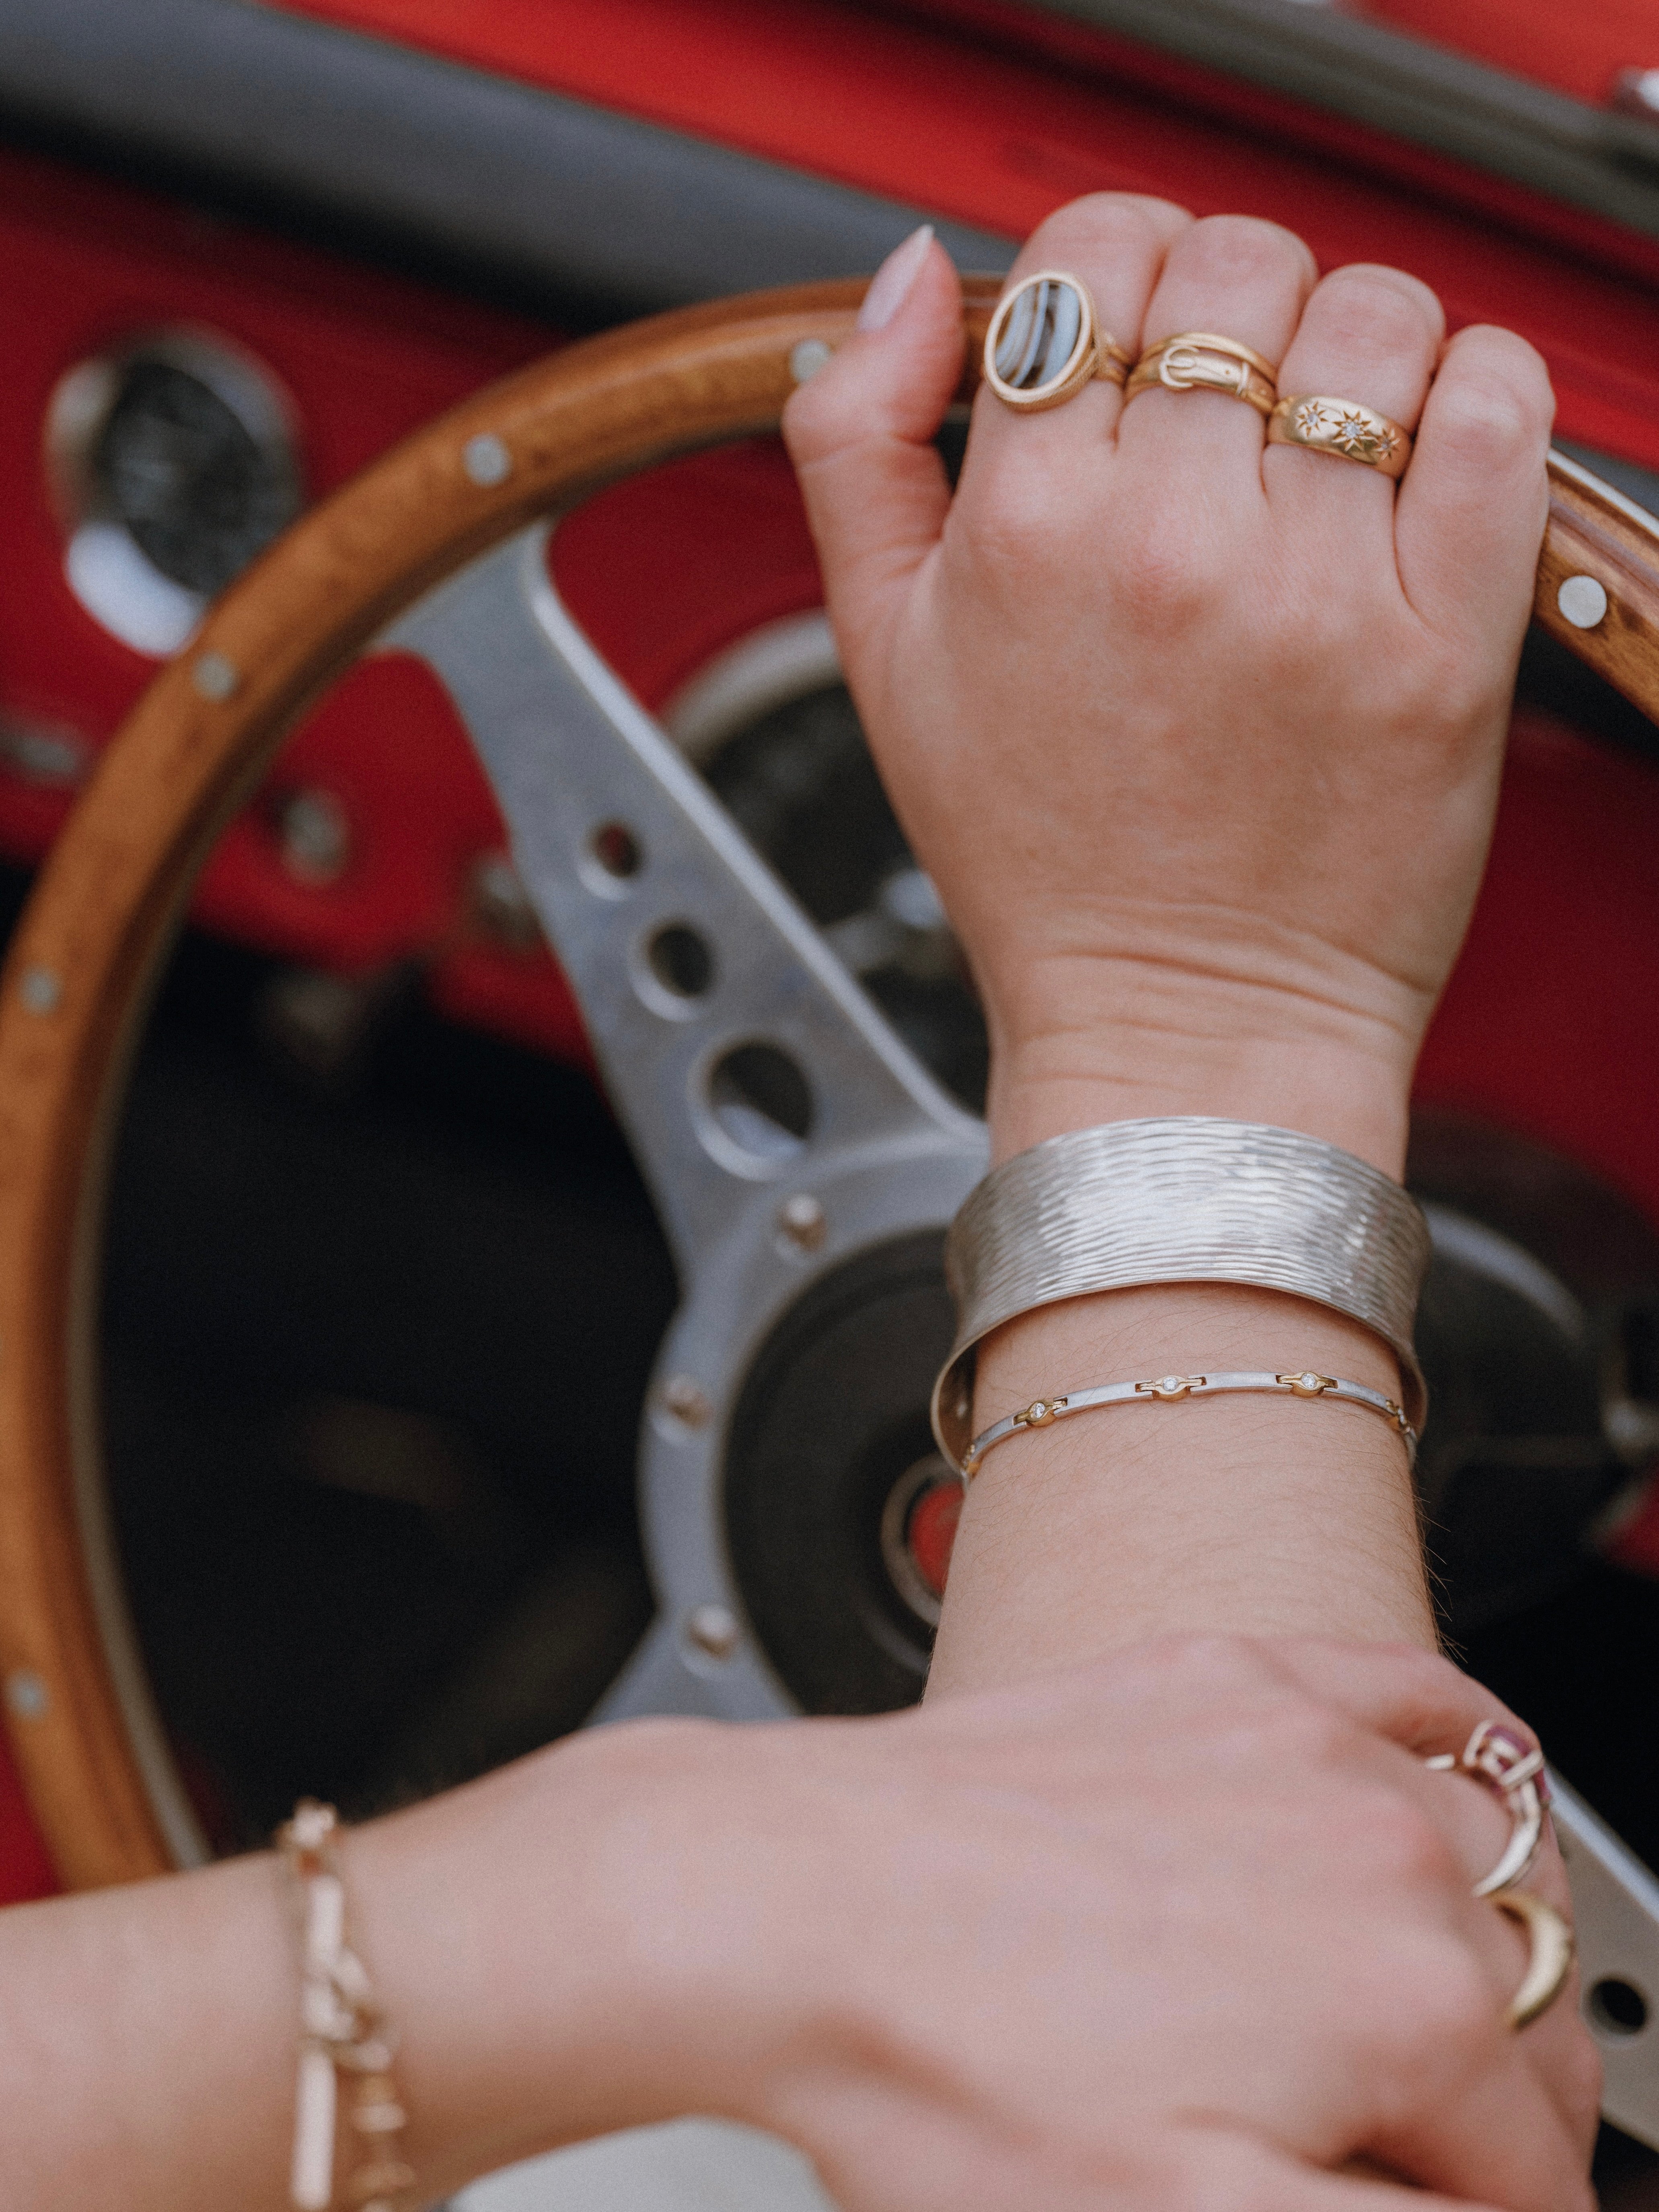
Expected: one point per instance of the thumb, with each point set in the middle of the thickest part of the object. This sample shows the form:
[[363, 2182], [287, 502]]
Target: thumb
[[860, 435]]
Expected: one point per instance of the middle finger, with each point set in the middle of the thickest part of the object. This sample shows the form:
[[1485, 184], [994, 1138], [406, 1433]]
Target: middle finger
[[1235, 277]]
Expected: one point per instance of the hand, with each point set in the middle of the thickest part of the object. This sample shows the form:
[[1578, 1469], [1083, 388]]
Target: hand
[[1188, 1926], [1199, 738]]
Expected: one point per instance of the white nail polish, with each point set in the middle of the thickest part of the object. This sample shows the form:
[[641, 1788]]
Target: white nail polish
[[893, 280]]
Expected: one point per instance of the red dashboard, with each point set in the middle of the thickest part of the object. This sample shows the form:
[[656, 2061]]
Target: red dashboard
[[372, 848]]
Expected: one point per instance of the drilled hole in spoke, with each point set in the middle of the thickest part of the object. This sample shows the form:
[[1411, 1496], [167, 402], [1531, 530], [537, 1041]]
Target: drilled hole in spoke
[[1617, 2008], [762, 1102], [680, 960], [617, 850]]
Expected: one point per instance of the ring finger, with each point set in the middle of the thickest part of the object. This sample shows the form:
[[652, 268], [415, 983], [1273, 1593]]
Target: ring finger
[[1368, 335]]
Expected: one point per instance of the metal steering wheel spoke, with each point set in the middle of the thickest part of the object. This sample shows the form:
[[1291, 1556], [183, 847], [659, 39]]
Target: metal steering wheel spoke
[[738, 1053]]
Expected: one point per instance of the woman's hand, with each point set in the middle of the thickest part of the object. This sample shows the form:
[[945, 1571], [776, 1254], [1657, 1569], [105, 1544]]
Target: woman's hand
[[1199, 738], [1190, 1928], [1187, 1928]]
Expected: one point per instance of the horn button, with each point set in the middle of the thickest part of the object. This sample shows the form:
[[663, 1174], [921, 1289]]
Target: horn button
[[841, 1515]]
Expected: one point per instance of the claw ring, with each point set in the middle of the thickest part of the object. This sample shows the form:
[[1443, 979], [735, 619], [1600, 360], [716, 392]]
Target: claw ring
[[1496, 1756], [1549, 1958]]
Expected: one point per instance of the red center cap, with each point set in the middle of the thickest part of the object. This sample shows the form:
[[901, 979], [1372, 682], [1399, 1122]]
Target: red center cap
[[931, 1530]]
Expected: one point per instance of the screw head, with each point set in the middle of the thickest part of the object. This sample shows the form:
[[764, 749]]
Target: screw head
[[685, 1397], [801, 1220], [41, 990], [216, 677], [502, 904], [486, 460], [713, 1630], [808, 358], [314, 837], [1582, 601], [26, 1694]]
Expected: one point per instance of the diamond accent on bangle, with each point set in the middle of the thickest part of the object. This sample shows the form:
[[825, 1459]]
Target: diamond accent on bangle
[[1039, 1413], [1170, 1386], [1308, 1385]]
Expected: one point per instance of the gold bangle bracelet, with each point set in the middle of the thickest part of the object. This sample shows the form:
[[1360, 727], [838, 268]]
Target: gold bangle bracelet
[[343, 2031]]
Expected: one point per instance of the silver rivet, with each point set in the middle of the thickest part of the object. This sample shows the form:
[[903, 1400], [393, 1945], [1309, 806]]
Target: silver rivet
[[1582, 601], [26, 1694], [486, 460], [686, 1399], [501, 903], [41, 992], [713, 1630], [314, 837], [215, 677], [808, 358], [801, 1220]]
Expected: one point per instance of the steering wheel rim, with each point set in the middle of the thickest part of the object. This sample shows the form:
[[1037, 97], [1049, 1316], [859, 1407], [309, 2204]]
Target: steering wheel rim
[[109, 901], [107, 905]]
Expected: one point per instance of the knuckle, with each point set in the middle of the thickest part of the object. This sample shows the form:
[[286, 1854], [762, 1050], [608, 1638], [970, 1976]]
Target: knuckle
[[1016, 527], [1166, 572], [1207, 2172], [1402, 1847], [1452, 2000], [1365, 310], [1241, 250], [1491, 404], [1442, 2024], [1577, 2074], [1113, 222]]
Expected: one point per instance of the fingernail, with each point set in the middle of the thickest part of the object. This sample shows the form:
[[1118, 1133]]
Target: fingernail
[[893, 280]]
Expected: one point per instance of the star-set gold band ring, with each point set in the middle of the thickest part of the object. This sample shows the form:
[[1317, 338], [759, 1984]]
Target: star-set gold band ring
[[1343, 429], [1046, 343], [1198, 360]]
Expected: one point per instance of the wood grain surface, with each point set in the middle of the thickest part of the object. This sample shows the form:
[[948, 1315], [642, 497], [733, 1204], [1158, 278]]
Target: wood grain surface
[[1595, 531], [103, 910]]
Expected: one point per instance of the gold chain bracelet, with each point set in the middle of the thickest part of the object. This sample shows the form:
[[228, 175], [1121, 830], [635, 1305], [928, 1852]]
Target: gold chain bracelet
[[342, 2029]]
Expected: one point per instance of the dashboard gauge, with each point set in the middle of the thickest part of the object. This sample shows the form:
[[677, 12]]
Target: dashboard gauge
[[173, 465]]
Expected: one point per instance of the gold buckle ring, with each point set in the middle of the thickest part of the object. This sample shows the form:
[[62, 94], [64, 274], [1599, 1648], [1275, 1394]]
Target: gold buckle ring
[[1046, 343], [1198, 360], [1549, 1960], [1343, 429]]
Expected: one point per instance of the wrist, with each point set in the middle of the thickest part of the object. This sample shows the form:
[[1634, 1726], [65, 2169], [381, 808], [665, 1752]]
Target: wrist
[[1050, 1084], [1271, 1034], [567, 1947]]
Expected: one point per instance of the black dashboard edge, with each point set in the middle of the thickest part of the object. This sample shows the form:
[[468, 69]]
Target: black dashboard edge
[[369, 146]]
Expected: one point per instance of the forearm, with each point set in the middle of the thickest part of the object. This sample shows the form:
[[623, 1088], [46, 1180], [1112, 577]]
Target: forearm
[[148, 2035], [1260, 1515]]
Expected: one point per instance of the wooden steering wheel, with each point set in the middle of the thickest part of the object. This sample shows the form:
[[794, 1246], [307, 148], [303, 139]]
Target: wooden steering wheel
[[438, 549]]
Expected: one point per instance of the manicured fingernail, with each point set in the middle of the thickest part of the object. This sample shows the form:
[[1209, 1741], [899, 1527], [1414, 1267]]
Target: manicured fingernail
[[890, 283]]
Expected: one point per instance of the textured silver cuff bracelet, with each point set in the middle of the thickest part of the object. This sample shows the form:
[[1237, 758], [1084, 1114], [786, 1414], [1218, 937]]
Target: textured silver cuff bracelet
[[1182, 1199]]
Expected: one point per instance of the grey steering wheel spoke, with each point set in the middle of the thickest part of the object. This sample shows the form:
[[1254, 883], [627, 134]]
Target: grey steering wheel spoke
[[785, 1131], [736, 1050]]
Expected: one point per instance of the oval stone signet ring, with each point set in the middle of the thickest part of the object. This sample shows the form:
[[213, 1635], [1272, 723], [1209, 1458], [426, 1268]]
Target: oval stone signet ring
[[1046, 343]]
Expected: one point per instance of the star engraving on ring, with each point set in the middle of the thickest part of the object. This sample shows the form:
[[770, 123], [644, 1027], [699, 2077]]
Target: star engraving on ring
[[1345, 428]]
